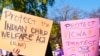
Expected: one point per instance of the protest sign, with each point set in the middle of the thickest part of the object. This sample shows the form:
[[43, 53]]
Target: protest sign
[[26, 32], [80, 37]]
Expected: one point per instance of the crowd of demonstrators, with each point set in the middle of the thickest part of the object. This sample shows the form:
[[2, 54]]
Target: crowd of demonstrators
[[58, 50]]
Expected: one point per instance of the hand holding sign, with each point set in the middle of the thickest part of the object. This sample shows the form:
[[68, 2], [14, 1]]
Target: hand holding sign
[[25, 32], [15, 52]]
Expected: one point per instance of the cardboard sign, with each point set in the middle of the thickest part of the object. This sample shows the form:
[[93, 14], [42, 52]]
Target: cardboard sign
[[80, 37], [26, 32]]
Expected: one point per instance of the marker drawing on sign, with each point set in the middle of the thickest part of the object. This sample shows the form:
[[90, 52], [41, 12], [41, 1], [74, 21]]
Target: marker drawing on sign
[[80, 37]]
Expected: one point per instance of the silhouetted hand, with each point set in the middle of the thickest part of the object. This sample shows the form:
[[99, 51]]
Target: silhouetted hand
[[15, 52]]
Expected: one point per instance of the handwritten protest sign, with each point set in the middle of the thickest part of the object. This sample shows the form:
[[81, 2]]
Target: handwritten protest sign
[[80, 37], [28, 33]]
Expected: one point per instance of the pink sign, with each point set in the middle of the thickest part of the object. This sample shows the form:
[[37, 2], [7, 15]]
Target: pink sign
[[80, 37]]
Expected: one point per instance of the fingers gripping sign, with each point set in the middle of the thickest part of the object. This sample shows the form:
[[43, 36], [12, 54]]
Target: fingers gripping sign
[[15, 52]]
